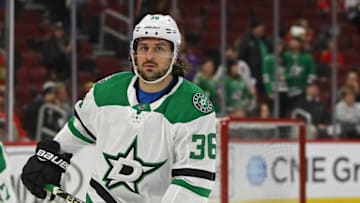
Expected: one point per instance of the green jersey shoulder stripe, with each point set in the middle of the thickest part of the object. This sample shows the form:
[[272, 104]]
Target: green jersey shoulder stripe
[[113, 89], [197, 190], [186, 104], [77, 133]]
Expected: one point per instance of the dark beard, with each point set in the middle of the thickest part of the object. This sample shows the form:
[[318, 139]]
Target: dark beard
[[155, 76]]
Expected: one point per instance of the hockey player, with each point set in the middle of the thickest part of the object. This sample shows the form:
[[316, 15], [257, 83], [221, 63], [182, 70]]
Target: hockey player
[[7, 193], [153, 130]]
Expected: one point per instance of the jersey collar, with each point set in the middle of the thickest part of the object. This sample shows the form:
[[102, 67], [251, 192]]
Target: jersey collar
[[131, 92]]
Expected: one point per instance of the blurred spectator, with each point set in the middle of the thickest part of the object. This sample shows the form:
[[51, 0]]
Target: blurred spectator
[[56, 10], [264, 111], [237, 113], [268, 72], [253, 48], [85, 88], [300, 71], [231, 55], [325, 61], [3, 63], [312, 104], [301, 29], [324, 6], [62, 99], [326, 55], [32, 111], [245, 73], [238, 94], [88, 85], [322, 38], [19, 132], [352, 80], [194, 62], [51, 116], [296, 31], [308, 37], [207, 81], [348, 113], [57, 51], [352, 10]]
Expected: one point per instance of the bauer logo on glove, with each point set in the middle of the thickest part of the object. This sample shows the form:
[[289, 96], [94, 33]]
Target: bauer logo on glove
[[43, 155]]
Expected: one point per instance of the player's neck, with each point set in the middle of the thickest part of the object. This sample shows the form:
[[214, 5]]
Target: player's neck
[[157, 87]]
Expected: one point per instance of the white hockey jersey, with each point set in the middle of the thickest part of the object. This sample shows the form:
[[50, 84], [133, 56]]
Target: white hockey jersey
[[7, 192], [147, 153]]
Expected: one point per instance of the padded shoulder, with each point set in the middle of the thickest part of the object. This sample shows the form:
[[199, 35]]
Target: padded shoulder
[[112, 90], [186, 104]]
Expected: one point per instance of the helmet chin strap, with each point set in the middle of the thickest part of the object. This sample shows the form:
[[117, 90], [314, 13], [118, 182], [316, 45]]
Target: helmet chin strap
[[157, 80]]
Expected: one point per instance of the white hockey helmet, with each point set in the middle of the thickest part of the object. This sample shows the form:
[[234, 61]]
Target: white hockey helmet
[[156, 26]]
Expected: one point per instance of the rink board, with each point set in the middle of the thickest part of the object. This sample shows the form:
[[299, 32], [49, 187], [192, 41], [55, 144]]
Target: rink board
[[268, 172], [334, 173]]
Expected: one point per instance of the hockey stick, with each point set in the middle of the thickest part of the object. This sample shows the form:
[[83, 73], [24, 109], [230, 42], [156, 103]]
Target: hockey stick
[[55, 190]]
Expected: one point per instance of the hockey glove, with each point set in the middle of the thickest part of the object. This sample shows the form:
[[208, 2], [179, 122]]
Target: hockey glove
[[45, 167]]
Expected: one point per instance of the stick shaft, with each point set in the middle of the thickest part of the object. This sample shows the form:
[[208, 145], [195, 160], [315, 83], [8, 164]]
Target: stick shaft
[[69, 198]]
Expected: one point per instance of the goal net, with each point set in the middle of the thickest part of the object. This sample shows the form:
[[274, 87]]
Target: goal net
[[260, 161]]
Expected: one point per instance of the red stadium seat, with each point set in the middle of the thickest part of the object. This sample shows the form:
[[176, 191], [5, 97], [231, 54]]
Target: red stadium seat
[[118, 6], [116, 24], [21, 44], [22, 76], [2, 15], [92, 9], [24, 94], [316, 55], [39, 75], [348, 30], [107, 65], [351, 57], [85, 49], [30, 58], [214, 11], [108, 70], [29, 16], [85, 76], [26, 30], [213, 24], [191, 11], [193, 25], [188, 4], [211, 40], [103, 61]]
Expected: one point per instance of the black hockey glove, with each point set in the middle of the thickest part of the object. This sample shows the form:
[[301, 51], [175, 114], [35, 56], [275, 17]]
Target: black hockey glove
[[45, 167]]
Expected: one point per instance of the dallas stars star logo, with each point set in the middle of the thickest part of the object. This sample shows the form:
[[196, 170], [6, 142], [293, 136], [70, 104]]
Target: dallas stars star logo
[[127, 169]]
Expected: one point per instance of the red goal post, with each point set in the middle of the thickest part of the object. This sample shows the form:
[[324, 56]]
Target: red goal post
[[293, 125]]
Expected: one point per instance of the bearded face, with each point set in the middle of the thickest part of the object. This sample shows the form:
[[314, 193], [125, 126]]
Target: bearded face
[[153, 58]]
